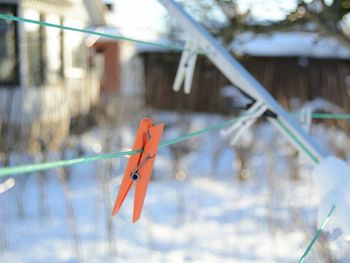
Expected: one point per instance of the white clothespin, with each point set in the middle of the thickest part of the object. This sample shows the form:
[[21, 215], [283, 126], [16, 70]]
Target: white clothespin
[[186, 67], [305, 118], [245, 121]]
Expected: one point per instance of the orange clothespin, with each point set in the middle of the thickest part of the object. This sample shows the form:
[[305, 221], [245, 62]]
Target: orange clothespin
[[139, 167]]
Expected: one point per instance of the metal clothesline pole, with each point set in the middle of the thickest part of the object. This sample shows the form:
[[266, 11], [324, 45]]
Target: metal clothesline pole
[[241, 78]]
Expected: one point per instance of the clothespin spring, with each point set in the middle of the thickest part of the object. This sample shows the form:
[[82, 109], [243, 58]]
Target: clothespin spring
[[135, 176]]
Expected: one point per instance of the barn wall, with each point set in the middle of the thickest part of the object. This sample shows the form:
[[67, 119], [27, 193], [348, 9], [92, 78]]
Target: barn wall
[[285, 78], [160, 71]]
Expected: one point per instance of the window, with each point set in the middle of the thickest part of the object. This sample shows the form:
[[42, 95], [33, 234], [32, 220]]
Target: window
[[9, 73], [34, 48], [75, 50], [53, 51]]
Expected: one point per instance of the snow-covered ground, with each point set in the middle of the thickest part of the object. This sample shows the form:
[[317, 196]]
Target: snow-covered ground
[[196, 210]]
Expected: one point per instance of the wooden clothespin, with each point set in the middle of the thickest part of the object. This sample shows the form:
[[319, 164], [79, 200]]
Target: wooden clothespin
[[139, 167], [186, 67]]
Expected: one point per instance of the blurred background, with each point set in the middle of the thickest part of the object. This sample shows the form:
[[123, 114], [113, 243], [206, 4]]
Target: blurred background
[[64, 94]]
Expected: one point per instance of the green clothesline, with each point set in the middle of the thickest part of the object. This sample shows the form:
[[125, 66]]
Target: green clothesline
[[318, 233], [92, 32], [330, 116], [13, 170]]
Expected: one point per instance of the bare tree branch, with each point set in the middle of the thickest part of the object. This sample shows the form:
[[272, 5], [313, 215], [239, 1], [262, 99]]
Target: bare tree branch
[[326, 19]]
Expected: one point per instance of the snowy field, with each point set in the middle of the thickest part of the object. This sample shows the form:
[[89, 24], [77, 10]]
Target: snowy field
[[208, 202]]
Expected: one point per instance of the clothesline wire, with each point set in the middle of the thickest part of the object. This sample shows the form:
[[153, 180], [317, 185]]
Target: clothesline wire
[[92, 32], [318, 233], [13, 170]]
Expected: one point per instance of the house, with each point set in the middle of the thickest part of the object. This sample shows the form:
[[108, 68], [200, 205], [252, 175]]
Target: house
[[299, 65], [47, 75], [290, 65]]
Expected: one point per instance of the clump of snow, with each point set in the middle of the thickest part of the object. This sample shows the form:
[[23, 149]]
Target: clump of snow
[[332, 177], [300, 44], [320, 104], [234, 94]]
